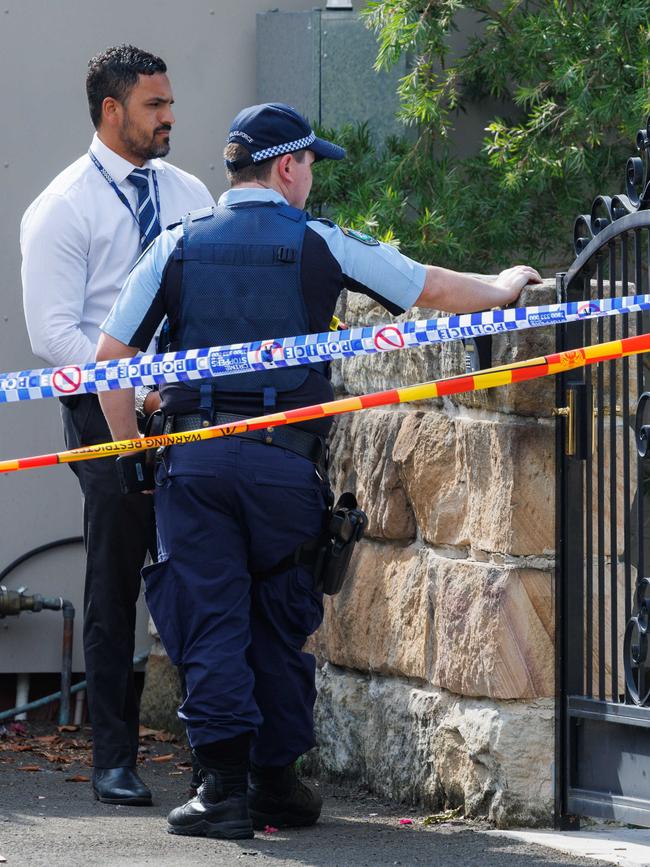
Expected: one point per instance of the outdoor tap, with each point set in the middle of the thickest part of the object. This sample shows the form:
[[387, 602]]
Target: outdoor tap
[[13, 602]]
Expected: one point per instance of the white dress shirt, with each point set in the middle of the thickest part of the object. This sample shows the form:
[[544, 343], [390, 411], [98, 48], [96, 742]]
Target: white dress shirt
[[79, 242]]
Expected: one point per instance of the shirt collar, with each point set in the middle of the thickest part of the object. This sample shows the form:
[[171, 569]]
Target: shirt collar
[[117, 167], [251, 194]]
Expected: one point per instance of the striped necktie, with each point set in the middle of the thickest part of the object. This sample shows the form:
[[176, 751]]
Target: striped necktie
[[147, 217]]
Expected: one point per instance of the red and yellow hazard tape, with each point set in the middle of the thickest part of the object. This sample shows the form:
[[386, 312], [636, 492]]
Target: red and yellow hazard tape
[[521, 371]]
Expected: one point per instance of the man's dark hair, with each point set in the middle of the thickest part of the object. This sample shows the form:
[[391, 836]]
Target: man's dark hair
[[114, 73], [258, 171]]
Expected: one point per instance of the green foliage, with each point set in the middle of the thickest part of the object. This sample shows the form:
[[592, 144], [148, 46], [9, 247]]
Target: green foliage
[[576, 79]]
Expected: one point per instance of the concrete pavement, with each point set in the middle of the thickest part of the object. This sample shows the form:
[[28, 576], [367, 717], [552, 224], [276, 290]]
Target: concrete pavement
[[49, 819]]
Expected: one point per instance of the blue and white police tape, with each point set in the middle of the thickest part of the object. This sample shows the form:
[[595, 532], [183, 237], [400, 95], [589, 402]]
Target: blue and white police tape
[[215, 361]]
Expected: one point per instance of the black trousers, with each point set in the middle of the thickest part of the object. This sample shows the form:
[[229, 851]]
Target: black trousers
[[119, 529]]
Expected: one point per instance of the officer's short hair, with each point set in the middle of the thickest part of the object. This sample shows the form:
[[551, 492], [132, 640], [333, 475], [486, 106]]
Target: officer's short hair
[[115, 72], [255, 172]]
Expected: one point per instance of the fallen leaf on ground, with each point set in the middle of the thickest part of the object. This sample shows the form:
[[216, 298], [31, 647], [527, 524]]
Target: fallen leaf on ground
[[157, 734], [166, 758], [406, 821], [78, 778], [31, 768], [68, 728], [55, 758], [22, 748]]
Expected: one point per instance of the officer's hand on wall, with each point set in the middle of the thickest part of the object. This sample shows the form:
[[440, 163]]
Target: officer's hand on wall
[[514, 279]]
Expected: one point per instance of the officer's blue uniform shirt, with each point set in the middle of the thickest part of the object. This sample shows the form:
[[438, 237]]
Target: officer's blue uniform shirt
[[331, 260]]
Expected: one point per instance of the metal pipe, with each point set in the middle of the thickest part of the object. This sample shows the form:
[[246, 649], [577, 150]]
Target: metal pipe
[[66, 662], [79, 707], [55, 696], [13, 602], [22, 692], [39, 702]]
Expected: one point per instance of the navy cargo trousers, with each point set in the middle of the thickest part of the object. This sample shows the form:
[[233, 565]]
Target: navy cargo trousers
[[227, 510]]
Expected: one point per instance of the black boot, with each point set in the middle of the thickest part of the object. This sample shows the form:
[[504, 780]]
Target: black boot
[[197, 777], [278, 798], [220, 808]]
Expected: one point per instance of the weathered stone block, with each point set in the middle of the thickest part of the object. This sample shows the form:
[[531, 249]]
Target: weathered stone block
[[161, 695], [482, 483], [424, 745], [382, 619], [361, 461], [493, 630], [472, 628]]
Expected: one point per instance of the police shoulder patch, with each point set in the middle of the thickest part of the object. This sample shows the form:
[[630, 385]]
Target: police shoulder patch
[[360, 236]]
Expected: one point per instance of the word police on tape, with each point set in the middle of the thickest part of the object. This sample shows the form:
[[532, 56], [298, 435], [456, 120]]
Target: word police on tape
[[216, 361]]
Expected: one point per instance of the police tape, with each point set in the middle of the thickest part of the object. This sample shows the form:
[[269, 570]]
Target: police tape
[[216, 361], [521, 371]]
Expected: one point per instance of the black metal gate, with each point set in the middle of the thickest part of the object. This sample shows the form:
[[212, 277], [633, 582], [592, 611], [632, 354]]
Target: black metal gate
[[603, 526]]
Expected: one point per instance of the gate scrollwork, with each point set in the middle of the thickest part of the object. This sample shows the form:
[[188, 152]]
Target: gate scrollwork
[[605, 209]]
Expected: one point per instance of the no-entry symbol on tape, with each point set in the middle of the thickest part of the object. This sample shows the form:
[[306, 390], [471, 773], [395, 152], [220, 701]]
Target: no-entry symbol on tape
[[268, 351], [389, 338], [67, 379]]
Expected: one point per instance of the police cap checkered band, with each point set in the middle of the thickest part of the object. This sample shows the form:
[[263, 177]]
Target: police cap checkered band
[[287, 148], [272, 129]]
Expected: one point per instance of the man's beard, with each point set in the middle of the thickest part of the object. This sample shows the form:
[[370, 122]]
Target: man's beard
[[141, 147]]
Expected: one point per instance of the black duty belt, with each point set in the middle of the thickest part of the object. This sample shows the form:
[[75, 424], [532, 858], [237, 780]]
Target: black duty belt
[[303, 443]]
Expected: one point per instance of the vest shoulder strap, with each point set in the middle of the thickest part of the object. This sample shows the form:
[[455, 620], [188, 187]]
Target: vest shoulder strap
[[199, 214], [291, 213]]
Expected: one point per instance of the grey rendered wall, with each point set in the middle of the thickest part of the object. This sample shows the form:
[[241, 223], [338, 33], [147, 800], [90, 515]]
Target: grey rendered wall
[[44, 48]]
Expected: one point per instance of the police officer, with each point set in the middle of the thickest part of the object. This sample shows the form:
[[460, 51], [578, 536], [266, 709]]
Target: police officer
[[230, 509]]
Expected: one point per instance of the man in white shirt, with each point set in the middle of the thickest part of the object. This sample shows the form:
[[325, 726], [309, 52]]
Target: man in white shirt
[[79, 240]]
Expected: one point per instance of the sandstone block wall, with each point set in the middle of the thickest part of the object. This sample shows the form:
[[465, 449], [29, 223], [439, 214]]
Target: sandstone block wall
[[437, 658]]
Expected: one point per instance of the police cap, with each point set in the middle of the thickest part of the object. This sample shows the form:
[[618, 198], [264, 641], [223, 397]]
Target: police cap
[[272, 129]]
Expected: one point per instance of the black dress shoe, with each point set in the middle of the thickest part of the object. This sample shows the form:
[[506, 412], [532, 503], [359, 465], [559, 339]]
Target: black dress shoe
[[278, 798], [213, 813], [120, 786]]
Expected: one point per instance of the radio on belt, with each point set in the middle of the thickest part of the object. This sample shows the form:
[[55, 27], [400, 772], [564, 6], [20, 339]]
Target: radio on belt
[[136, 472]]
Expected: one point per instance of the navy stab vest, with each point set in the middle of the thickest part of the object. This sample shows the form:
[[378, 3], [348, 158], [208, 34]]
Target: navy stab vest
[[241, 282]]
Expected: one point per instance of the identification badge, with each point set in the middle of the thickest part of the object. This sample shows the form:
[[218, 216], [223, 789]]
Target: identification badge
[[368, 240]]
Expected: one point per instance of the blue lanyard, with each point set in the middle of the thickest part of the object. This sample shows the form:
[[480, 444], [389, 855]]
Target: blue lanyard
[[118, 192]]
